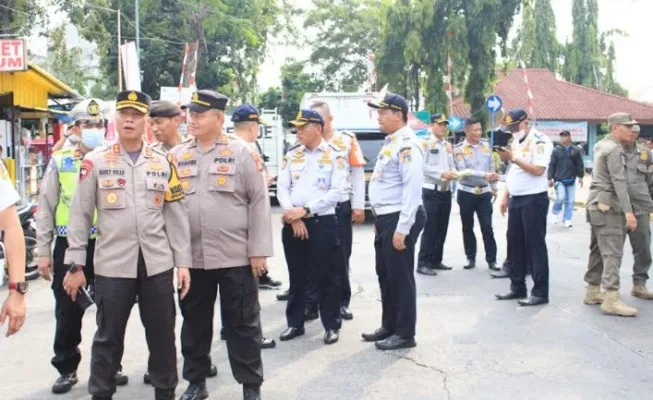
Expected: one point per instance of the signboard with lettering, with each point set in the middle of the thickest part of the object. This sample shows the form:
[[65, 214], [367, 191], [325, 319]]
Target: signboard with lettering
[[13, 55], [552, 129]]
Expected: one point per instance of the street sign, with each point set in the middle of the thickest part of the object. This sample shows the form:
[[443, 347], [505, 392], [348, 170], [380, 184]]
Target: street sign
[[493, 103], [455, 123], [13, 55]]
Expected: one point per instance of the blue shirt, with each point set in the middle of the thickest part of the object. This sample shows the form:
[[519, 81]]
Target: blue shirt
[[313, 178], [397, 177], [478, 159]]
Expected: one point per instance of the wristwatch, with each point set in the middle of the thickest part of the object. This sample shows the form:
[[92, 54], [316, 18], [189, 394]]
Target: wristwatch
[[72, 268], [308, 211], [20, 287]]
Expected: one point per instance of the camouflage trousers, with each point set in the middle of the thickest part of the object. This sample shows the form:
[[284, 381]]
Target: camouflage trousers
[[608, 232]]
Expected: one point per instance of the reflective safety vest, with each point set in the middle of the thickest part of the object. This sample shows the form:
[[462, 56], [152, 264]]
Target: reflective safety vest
[[68, 163]]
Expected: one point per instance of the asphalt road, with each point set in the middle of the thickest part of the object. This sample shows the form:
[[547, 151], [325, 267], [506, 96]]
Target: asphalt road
[[470, 346]]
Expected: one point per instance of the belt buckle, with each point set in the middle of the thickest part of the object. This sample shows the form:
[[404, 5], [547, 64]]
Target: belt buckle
[[477, 190]]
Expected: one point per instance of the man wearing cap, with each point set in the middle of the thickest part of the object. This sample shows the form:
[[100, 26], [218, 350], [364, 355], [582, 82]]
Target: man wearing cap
[[566, 166], [231, 237], [439, 171], [395, 195], [528, 200], [246, 121], [57, 191], [165, 118], [350, 208], [312, 182], [639, 173], [477, 187], [142, 234], [611, 211]]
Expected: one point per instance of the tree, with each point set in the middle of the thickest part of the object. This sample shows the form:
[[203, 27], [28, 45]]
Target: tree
[[233, 37], [536, 44], [64, 62], [295, 82], [347, 33], [18, 17], [271, 99], [610, 85]]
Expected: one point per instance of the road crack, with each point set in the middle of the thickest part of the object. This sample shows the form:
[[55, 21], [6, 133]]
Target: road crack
[[445, 376]]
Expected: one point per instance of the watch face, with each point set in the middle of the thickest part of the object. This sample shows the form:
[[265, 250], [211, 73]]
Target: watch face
[[21, 287]]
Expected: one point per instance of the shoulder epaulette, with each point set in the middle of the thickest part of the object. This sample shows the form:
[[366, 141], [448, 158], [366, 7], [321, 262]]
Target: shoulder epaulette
[[187, 139], [334, 148], [156, 149], [294, 147], [348, 133]]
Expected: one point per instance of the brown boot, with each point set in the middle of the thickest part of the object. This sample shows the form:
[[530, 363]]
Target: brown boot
[[640, 290], [593, 295], [614, 306]]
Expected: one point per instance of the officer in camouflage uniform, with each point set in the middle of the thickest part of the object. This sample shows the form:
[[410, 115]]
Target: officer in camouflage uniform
[[639, 176], [57, 191], [610, 213]]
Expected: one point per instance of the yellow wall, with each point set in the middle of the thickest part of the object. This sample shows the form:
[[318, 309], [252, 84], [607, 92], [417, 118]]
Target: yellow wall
[[31, 88]]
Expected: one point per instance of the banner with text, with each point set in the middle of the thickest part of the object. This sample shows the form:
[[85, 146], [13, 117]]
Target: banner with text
[[552, 129]]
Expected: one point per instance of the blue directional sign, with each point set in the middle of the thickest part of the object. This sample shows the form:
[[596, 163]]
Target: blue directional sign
[[455, 123], [494, 103]]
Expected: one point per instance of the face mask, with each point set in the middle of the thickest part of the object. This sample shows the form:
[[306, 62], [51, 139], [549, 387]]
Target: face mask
[[92, 138], [74, 139], [518, 135]]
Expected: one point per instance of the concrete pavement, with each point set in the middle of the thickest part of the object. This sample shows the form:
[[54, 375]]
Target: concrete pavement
[[470, 346]]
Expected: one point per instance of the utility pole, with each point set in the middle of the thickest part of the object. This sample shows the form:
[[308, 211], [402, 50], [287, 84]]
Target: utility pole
[[119, 56], [138, 34]]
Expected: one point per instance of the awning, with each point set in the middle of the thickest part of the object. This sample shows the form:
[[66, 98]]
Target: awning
[[32, 88]]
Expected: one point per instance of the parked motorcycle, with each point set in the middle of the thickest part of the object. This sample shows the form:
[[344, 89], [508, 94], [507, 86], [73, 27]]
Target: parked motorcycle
[[27, 217]]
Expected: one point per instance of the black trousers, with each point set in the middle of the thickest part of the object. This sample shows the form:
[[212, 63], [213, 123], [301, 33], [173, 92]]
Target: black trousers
[[239, 303], [67, 335], [315, 259], [438, 208], [345, 238], [395, 270], [527, 241], [115, 298], [481, 205]]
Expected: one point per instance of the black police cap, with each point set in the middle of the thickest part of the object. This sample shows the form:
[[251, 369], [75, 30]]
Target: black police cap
[[439, 118], [391, 101], [514, 116], [133, 99], [164, 108], [204, 100]]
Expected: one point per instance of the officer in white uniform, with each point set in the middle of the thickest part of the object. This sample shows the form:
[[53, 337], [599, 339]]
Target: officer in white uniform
[[395, 193], [527, 199], [351, 206], [311, 183]]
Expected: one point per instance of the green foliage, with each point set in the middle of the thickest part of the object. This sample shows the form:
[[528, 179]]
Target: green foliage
[[294, 83], [18, 17], [64, 62], [536, 43], [233, 37], [270, 99], [347, 33]]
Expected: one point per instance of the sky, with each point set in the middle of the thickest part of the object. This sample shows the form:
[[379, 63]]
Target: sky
[[633, 63]]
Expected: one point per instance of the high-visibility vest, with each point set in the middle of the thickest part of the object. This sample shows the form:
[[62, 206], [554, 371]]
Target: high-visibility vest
[[68, 162]]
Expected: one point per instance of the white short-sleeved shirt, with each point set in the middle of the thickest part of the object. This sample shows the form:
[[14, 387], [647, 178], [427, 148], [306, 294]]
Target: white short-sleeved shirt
[[536, 148], [8, 194]]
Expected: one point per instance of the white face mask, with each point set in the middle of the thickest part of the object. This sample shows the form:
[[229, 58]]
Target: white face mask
[[519, 135], [92, 138]]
